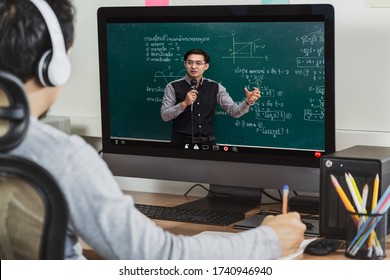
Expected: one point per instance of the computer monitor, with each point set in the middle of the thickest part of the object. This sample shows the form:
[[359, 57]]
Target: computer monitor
[[287, 51]]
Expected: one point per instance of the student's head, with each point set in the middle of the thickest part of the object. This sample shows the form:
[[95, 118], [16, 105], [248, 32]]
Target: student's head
[[24, 35], [196, 61]]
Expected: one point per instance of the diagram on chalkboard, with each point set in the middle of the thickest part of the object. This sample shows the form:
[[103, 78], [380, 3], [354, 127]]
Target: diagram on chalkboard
[[168, 75], [245, 50]]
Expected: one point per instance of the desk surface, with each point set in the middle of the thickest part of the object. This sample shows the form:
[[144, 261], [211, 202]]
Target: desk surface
[[192, 229]]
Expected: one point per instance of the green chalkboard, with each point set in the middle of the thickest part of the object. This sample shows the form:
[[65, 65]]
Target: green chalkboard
[[284, 59]]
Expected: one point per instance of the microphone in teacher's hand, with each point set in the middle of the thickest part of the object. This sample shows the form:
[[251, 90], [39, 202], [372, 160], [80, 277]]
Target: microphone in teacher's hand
[[193, 86], [193, 83]]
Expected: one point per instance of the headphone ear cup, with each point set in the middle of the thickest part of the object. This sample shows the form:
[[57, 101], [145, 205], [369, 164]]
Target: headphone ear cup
[[14, 111], [53, 70], [43, 68]]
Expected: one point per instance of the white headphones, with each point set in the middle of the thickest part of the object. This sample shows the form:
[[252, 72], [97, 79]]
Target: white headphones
[[54, 66]]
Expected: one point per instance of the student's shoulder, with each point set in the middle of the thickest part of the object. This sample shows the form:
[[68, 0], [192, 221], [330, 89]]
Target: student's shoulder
[[53, 137]]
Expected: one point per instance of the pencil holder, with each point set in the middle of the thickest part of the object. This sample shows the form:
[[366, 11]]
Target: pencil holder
[[366, 236]]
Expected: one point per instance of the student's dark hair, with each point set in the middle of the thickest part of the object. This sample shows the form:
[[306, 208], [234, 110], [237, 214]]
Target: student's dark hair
[[24, 37], [197, 51]]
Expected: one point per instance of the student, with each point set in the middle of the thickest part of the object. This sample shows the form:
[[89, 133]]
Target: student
[[99, 212], [190, 102]]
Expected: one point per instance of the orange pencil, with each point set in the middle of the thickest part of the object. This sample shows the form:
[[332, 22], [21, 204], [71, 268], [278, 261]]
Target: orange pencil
[[348, 205]]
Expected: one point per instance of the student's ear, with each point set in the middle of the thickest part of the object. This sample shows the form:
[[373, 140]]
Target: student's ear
[[206, 66]]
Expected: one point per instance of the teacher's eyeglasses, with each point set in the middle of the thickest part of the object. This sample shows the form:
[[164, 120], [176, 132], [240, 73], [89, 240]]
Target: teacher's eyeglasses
[[197, 63]]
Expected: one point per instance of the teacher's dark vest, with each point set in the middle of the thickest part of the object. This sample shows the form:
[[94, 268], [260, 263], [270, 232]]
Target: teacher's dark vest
[[203, 113]]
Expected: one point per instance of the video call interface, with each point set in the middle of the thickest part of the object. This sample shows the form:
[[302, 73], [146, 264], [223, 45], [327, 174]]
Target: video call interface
[[285, 60]]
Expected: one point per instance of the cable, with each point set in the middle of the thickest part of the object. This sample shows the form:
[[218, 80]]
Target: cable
[[279, 200], [193, 87], [210, 192], [192, 125], [196, 185]]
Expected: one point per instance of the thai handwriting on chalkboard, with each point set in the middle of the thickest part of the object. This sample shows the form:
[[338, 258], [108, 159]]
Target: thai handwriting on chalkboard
[[166, 48], [312, 38]]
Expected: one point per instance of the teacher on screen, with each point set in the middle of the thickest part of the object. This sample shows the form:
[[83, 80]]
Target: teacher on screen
[[190, 102]]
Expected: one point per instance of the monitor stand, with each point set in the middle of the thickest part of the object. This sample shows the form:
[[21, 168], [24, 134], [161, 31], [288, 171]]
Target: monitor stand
[[228, 199]]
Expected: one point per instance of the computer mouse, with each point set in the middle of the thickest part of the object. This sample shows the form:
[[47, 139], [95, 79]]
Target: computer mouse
[[308, 225], [321, 247]]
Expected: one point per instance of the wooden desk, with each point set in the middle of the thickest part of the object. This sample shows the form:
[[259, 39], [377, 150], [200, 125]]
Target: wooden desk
[[192, 229]]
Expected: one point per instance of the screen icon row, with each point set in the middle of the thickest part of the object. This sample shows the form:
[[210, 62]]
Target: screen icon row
[[216, 148]]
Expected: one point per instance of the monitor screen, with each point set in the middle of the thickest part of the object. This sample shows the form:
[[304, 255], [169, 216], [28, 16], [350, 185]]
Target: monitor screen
[[286, 51]]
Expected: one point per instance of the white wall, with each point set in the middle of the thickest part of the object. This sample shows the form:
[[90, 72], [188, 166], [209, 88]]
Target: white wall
[[362, 72]]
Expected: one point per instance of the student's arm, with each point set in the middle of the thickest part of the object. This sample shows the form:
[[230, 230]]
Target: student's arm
[[108, 221]]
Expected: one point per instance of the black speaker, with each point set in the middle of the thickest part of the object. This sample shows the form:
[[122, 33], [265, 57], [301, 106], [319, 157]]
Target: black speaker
[[362, 164]]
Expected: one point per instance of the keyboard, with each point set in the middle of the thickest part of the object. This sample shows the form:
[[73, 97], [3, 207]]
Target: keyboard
[[209, 217]]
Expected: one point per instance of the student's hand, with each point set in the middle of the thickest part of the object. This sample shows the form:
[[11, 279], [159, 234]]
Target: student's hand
[[289, 229], [252, 96]]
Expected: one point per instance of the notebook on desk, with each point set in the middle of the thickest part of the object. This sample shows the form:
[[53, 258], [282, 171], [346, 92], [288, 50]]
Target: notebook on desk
[[312, 225]]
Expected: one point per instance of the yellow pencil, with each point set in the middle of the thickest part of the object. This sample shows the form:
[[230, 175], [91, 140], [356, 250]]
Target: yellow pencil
[[354, 194], [373, 205], [355, 187]]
